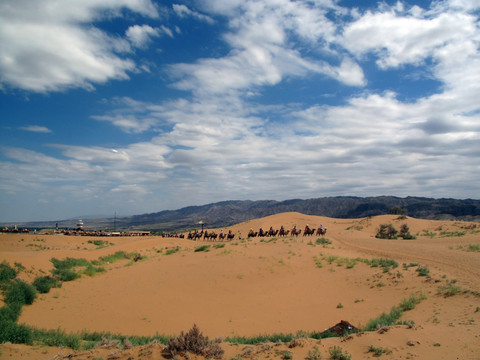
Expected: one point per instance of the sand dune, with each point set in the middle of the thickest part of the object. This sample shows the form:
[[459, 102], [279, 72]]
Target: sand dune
[[264, 286]]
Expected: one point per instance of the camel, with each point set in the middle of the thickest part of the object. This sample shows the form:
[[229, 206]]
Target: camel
[[296, 232], [308, 231]]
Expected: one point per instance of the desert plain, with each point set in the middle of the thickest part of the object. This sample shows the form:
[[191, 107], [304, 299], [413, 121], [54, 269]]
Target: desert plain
[[250, 287]]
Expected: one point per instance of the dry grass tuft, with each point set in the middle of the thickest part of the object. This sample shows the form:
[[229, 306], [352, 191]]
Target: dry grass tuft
[[298, 342], [193, 342]]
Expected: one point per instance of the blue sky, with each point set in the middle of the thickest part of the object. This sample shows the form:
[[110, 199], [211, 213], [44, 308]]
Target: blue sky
[[137, 106]]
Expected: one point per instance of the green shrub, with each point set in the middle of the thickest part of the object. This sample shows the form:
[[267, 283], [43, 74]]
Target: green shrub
[[314, 354], [473, 247], [119, 255], [68, 263], [386, 232], [348, 262], [63, 268], [10, 312], [452, 233], [386, 264], [318, 262], [205, 248], [67, 275], [449, 289], [323, 241], [332, 258], [336, 353], [43, 284], [423, 271], [14, 333], [7, 273], [21, 293], [57, 338], [384, 319], [258, 339], [395, 313], [172, 251], [405, 233], [91, 270], [412, 301], [99, 243], [377, 351]]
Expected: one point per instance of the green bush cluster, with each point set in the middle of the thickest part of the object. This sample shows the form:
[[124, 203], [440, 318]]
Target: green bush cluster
[[205, 248], [322, 241], [314, 354], [20, 292], [16, 293], [449, 289], [14, 333], [336, 353], [405, 232], [63, 269], [412, 301], [43, 284], [172, 251], [119, 255], [388, 231], [384, 263], [395, 313], [7, 273], [423, 271], [377, 351]]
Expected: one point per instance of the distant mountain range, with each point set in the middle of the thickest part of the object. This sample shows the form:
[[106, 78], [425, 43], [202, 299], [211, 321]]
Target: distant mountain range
[[226, 213]]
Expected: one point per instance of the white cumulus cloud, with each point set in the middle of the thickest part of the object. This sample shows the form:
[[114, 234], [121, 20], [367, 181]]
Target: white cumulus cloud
[[140, 35], [47, 47]]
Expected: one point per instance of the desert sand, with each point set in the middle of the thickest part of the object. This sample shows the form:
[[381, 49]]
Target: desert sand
[[267, 285]]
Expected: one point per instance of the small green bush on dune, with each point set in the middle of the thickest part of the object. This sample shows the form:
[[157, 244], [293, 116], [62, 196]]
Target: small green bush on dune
[[10, 312], [63, 269], [16, 294], [57, 338], [205, 248], [43, 284], [386, 232], [68, 263], [14, 333], [7, 273], [391, 318], [21, 293]]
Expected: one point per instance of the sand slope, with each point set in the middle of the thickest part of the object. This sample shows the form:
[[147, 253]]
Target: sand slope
[[264, 286]]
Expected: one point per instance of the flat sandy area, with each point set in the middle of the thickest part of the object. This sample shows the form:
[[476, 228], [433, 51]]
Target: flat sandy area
[[264, 285]]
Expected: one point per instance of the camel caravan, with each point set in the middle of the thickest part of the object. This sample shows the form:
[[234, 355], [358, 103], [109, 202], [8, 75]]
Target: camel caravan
[[210, 235], [308, 231], [213, 236]]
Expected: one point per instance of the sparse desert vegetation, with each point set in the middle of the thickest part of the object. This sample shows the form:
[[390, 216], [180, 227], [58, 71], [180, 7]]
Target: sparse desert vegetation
[[255, 297]]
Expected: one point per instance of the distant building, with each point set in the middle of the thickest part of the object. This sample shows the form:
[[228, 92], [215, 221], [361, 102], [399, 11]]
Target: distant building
[[79, 225]]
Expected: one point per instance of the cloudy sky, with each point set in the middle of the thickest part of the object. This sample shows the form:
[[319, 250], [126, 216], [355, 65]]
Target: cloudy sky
[[137, 106]]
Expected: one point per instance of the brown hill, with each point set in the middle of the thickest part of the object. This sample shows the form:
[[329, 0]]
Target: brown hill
[[268, 285]]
